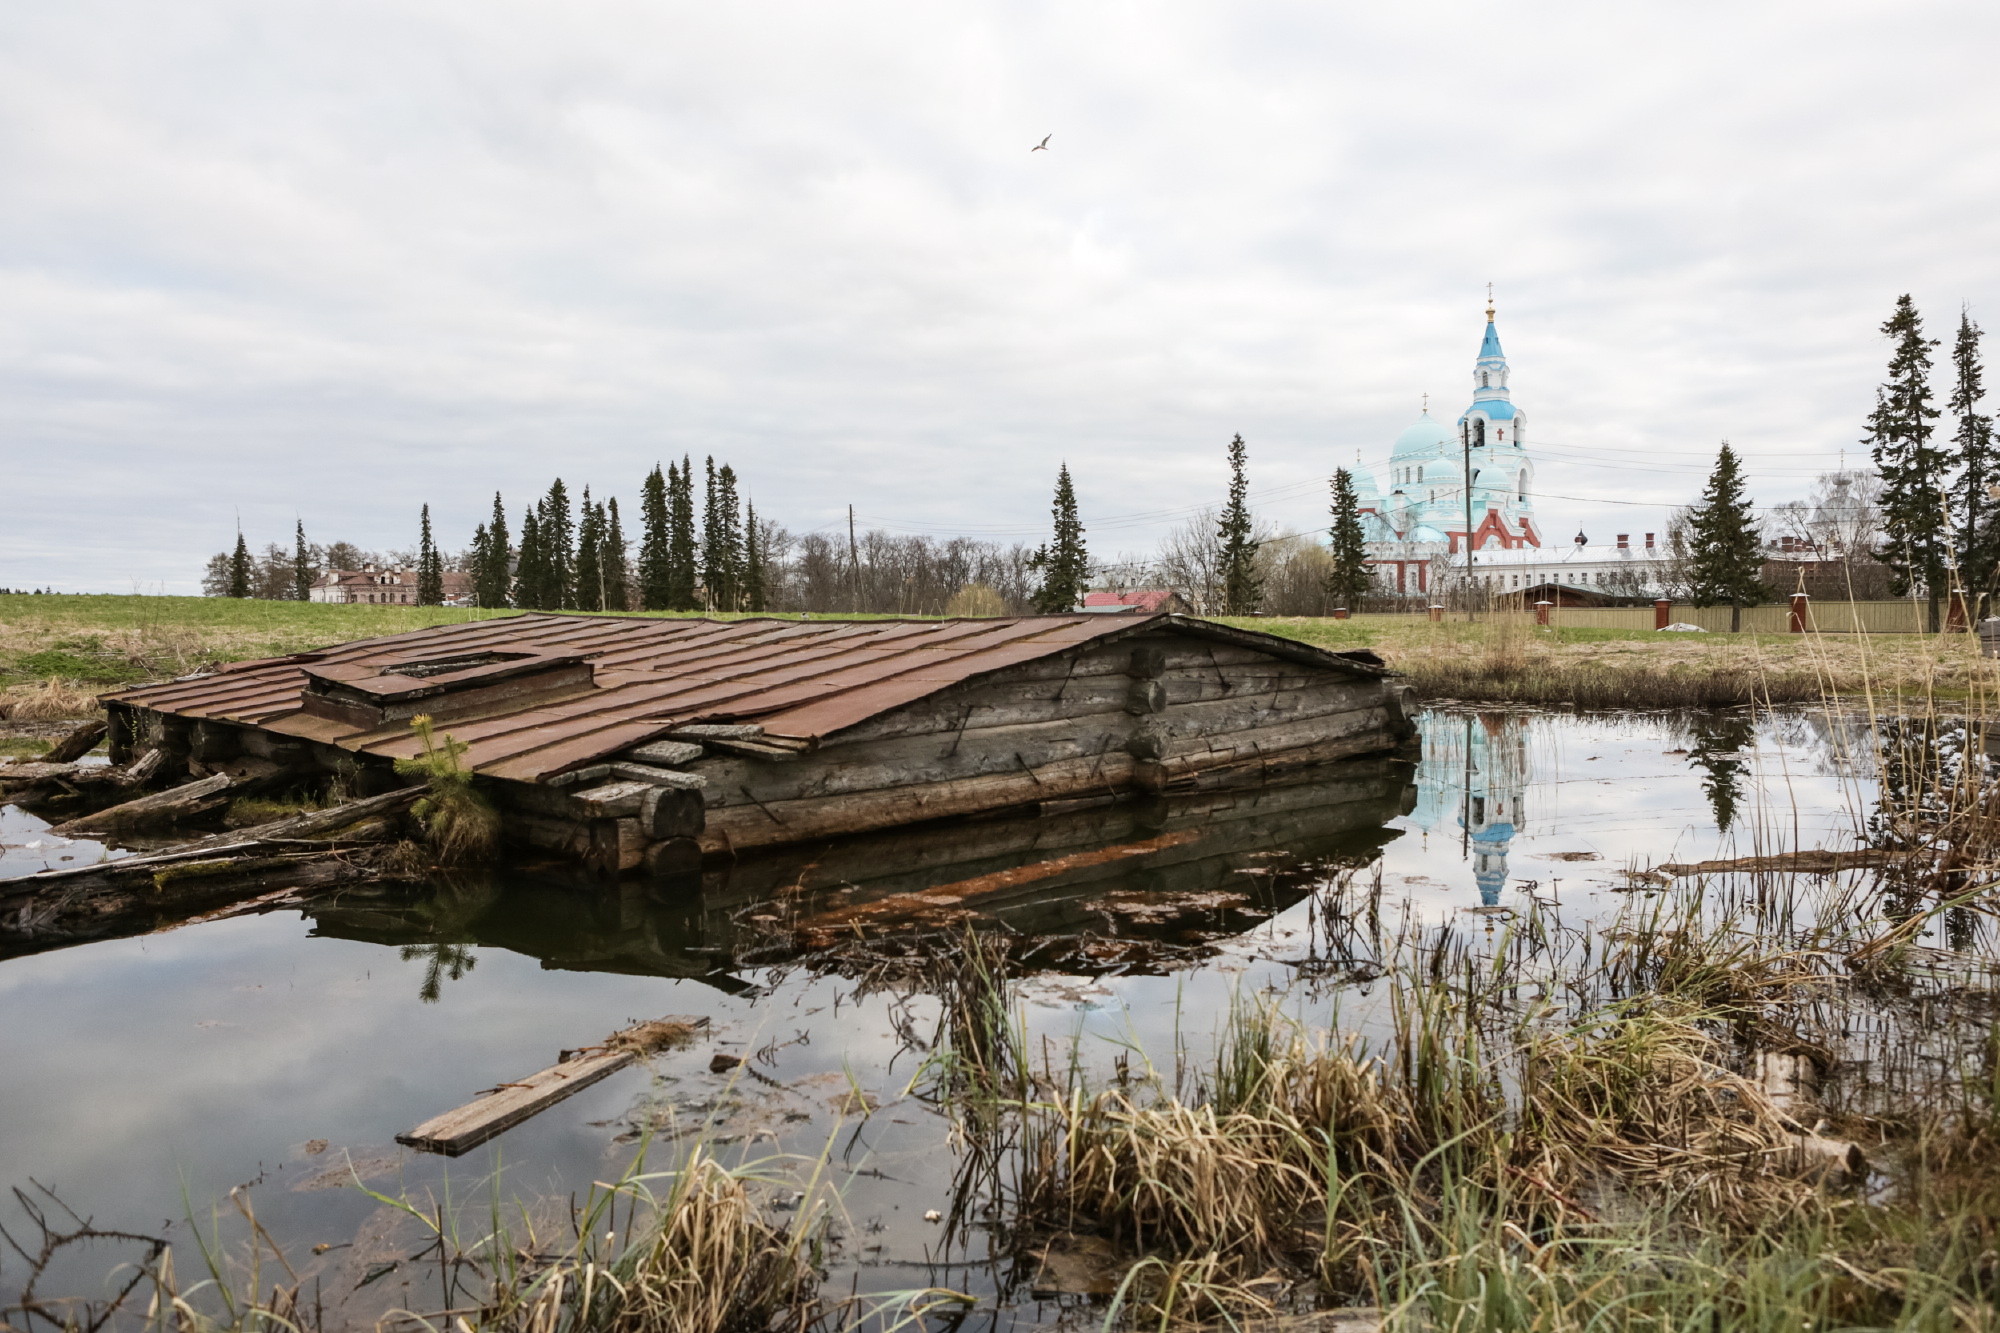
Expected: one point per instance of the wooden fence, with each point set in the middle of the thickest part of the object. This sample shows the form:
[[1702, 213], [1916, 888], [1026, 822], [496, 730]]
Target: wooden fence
[[1900, 617]]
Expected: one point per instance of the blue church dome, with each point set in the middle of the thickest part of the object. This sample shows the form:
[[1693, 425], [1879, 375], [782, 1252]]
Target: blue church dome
[[1424, 438]]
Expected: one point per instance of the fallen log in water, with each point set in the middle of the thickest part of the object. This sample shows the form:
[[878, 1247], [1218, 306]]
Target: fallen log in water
[[171, 806], [500, 1109], [1812, 862], [75, 745], [43, 773], [138, 893]]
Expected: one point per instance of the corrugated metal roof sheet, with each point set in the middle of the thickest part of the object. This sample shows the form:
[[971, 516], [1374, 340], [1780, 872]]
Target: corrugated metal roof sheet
[[799, 679]]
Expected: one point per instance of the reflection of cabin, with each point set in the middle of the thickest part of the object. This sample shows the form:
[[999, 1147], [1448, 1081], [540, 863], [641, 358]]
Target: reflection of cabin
[[1137, 601], [396, 586], [629, 741]]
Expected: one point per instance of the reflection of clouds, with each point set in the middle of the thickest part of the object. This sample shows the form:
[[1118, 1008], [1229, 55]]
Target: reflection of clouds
[[209, 1053], [1641, 788], [26, 846]]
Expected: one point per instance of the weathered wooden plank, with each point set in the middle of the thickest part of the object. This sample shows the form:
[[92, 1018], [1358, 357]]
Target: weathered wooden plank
[[508, 1105], [613, 800], [315, 823], [165, 807], [35, 771], [667, 754], [76, 745], [467, 1127]]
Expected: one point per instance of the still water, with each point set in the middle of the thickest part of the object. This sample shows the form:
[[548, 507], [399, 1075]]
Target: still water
[[148, 1076]]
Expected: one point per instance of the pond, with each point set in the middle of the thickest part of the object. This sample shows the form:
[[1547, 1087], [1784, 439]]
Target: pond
[[147, 1077]]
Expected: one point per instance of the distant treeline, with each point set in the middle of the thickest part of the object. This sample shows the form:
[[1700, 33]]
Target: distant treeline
[[717, 555]]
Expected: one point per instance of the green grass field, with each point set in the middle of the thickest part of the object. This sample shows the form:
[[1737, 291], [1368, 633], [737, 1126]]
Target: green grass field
[[69, 647]]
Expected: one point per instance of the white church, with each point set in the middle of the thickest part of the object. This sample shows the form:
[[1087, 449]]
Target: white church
[[1416, 518]]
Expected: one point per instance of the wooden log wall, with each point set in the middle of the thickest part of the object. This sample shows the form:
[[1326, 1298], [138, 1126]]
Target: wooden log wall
[[1147, 714]]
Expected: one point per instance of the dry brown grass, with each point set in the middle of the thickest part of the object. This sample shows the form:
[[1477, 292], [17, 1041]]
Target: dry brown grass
[[1507, 658], [50, 700]]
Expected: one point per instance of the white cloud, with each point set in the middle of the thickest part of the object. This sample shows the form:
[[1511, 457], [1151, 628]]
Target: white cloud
[[342, 260]]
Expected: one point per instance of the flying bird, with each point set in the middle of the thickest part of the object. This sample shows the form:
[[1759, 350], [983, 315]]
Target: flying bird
[[1043, 146]]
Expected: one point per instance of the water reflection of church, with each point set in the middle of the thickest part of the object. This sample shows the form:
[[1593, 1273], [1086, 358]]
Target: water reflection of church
[[1471, 781]]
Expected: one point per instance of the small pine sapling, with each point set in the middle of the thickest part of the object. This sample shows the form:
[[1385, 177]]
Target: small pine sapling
[[461, 824]]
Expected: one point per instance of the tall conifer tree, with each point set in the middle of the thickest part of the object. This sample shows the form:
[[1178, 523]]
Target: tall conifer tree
[[683, 558], [492, 553], [1914, 530], [1978, 517], [430, 566], [655, 544], [728, 559], [1064, 563], [1236, 553], [1727, 558], [558, 549], [589, 556], [713, 552], [302, 565], [617, 593], [239, 567], [753, 561], [1350, 575], [531, 571]]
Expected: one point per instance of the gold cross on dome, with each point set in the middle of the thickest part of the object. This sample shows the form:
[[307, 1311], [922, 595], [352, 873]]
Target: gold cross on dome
[[1427, 402]]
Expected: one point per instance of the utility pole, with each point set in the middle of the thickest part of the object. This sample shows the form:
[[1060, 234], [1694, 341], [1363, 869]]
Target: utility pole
[[1465, 447], [854, 558]]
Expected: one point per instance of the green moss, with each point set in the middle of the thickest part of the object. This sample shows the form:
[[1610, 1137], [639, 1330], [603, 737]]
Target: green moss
[[24, 747], [250, 811], [167, 876]]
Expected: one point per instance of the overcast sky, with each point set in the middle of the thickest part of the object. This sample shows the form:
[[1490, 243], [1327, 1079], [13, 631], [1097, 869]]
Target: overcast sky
[[332, 261]]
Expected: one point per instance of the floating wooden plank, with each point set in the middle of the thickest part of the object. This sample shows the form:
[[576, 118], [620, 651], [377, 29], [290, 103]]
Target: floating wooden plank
[[504, 1107], [1812, 862], [466, 1128]]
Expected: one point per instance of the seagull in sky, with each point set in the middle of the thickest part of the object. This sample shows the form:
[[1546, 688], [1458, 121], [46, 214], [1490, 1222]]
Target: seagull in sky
[[1043, 146]]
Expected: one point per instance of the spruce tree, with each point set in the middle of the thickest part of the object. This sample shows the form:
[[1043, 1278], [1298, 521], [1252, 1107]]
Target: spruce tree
[[713, 552], [1727, 558], [558, 549], [531, 572], [1914, 529], [655, 544], [430, 566], [1236, 554], [239, 568], [491, 552], [1978, 522], [1350, 575], [728, 559], [589, 556], [682, 556], [1064, 563], [617, 595], [753, 561], [302, 565]]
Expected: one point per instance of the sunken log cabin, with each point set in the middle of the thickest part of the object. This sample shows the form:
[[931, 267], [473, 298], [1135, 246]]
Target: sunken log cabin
[[630, 743]]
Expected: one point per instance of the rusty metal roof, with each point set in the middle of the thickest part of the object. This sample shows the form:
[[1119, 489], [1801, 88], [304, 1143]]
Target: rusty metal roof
[[801, 680]]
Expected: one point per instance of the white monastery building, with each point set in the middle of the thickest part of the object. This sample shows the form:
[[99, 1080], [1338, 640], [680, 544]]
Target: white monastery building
[[1417, 520]]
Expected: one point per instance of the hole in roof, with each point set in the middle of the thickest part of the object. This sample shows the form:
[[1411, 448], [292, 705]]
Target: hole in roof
[[440, 666]]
